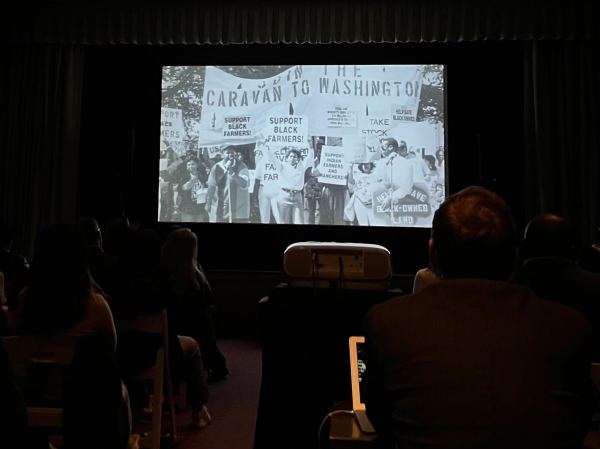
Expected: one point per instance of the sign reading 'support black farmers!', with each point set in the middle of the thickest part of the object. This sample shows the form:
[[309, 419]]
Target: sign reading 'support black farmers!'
[[237, 127]]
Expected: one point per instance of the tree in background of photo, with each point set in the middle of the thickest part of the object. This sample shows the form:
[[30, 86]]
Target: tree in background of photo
[[431, 104]]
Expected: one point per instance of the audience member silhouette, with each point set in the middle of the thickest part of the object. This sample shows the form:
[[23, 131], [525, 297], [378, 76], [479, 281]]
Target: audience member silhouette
[[14, 266], [549, 253], [186, 318], [139, 288], [117, 234], [61, 298], [102, 265], [191, 300], [61, 295], [133, 288], [423, 278], [475, 361]]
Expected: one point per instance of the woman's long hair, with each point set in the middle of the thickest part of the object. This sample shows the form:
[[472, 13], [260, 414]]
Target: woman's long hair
[[179, 259], [60, 283]]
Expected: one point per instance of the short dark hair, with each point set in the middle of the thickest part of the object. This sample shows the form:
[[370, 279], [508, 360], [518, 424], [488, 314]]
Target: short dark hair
[[296, 151], [474, 236], [549, 235], [391, 140]]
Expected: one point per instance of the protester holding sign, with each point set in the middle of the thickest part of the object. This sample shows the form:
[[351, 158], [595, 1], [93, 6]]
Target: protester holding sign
[[291, 175], [441, 168], [360, 205], [313, 189], [333, 169], [267, 178], [192, 192], [394, 179], [227, 199]]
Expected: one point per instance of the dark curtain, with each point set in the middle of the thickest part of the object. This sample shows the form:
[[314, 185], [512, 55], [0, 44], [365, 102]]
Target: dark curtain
[[562, 95], [301, 21], [41, 89], [40, 97]]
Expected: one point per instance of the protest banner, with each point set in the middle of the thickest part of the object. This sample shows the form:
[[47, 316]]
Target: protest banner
[[212, 152], [329, 97], [399, 212]]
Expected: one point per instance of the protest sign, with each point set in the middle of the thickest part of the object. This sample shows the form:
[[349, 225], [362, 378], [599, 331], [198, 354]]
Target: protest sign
[[399, 212], [237, 128], [171, 125], [333, 168], [286, 130]]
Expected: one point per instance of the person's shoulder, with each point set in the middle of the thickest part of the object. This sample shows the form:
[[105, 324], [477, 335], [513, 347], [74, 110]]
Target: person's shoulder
[[585, 279], [97, 300], [391, 308], [556, 314]]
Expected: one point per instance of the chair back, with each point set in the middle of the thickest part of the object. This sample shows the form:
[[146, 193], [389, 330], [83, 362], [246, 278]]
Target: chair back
[[159, 373], [41, 364]]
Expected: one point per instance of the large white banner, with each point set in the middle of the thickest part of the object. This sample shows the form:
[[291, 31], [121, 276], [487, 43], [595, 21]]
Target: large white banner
[[332, 100]]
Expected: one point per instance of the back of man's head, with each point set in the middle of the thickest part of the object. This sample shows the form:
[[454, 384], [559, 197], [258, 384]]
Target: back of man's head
[[473, 236], [548, 235]]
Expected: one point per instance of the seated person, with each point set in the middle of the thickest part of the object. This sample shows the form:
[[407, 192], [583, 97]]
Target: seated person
[[102, 265], [61, 299], [475, 361], [423, 278], [13, 265], [141, 288], [549, 269]]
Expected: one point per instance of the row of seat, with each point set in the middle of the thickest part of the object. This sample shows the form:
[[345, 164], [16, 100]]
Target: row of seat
[[41, 365]]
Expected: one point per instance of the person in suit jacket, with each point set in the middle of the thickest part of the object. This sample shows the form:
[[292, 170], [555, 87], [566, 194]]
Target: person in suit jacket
[[475, 361]]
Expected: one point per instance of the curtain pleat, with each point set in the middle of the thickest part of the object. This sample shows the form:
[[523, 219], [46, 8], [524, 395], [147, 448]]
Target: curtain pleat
[[301, 22], [562, 95], [41, 98]]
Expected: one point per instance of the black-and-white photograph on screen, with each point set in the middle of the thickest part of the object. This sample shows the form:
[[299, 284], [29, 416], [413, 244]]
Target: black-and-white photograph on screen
[[354, 145]]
